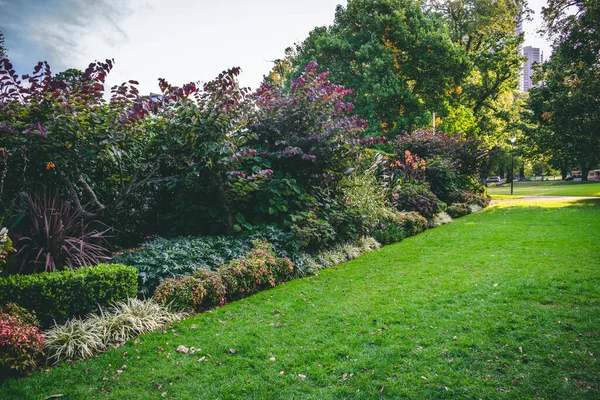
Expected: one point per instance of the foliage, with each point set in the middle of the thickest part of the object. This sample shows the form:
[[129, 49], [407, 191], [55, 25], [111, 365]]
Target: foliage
[[21, 344], [215, 288], [53, 236], [439, 219], [363, 192], [400, 62], [61, 132], [485, 30], [79, 339], [6, 247], [340, 253], [565, 108], [401, 225], [416, 198], [182, 293], [458, 210], [161, 258], [76, 339], [259, 269], [58, 296]]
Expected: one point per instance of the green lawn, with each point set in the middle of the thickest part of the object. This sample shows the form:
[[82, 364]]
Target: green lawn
[[559, 188], [499, 304]]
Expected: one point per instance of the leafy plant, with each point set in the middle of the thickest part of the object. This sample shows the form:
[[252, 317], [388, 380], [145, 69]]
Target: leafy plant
[[181, 293], [54, 236], [59, 296], [159, 258], [440, 219], [21, 343], [341, 253], [416, 198], [79, 339], [458, 210], [5, 247]]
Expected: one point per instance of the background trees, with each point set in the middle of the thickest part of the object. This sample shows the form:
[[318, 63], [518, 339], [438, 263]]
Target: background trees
[[398, 59], [566, 104]]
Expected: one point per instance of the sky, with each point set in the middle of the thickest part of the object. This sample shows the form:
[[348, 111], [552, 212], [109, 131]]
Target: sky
[[179, 40]]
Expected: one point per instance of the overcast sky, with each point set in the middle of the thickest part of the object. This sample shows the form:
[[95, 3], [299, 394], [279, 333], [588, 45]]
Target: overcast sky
[[180, 40]]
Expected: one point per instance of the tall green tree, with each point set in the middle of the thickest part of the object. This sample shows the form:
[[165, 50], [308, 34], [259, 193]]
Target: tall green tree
[[398, 59], [566, 104], [486, 30]]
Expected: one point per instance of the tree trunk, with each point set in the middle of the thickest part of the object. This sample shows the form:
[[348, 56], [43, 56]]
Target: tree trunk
[[585, 169]]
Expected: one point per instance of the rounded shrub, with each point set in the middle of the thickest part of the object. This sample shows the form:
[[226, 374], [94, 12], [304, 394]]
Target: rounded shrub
[[181, 293]]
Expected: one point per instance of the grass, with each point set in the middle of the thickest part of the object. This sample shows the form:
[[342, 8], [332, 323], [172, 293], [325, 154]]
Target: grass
[[499, 304], [560, 188]]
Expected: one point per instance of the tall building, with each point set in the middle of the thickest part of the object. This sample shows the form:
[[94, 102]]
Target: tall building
[[533, 55]]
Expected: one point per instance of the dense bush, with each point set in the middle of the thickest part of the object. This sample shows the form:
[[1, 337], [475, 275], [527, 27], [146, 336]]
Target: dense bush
[[21, 343], [160, 258], [257, 270], [58, 296], [458, 210], [78, 339], [5, 247], [416, 198]]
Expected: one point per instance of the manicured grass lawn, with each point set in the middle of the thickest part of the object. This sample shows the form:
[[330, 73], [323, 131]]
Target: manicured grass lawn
[[499, 304], [547, 189]]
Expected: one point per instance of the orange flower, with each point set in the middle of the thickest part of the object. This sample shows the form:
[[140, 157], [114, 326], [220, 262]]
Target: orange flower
[[50, 166]]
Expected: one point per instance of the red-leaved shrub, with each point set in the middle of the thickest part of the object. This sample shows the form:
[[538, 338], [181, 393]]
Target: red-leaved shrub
[[21, 344]]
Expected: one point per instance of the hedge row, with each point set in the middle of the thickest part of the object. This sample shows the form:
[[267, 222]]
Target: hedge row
[[58, 296]]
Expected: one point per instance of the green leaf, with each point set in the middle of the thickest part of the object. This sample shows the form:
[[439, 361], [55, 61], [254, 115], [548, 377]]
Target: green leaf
[[237, 228]]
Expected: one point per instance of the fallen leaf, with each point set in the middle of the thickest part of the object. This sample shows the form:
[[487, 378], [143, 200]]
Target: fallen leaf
[[272, 359], [281, 372], [201, 359], [344, 376], [182, 349], [303, 377], [232, 351]]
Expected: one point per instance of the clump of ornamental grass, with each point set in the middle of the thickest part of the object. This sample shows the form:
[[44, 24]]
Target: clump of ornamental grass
[[440, 219], [341, 253], [79, 339]]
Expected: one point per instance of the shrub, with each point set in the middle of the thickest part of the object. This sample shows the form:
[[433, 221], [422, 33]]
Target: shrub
[[440, 219], [58, 296], [160, 258], [341, 253], [458, 210], [259, 269], [21, 343], [79, 339], [400, 226], [54, 236], [181, 293], [311, 232], [482, 200], [416, 198], [214, 286]]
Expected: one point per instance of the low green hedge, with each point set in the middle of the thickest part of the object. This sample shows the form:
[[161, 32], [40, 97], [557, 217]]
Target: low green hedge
[[58, 296]]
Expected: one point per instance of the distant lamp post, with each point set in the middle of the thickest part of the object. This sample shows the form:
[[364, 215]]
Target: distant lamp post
[[512, 163]]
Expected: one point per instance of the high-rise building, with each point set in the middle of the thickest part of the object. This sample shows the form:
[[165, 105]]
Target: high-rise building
[[533, 55]]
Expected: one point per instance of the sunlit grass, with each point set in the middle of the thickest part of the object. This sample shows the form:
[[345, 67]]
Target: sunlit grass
[[559, 188], [499, 304]]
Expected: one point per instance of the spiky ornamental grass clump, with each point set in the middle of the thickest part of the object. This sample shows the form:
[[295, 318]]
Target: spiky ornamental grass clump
[[82, 338], [341, 253], [440, 219]]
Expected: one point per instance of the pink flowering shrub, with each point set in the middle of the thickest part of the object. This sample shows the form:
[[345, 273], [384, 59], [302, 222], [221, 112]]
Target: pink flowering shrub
[[21, 343]]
